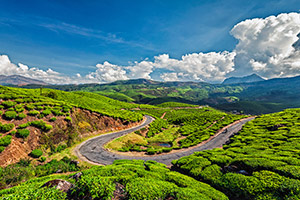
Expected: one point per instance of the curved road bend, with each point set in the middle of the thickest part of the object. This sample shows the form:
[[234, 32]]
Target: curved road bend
[[93, 149]]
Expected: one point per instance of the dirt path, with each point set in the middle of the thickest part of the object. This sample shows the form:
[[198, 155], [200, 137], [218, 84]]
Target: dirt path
[[93, 149]]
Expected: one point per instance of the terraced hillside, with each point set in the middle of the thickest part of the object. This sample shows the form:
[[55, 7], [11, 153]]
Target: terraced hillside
[[174, 128], [261, 162], [122, 180], [48, 121]]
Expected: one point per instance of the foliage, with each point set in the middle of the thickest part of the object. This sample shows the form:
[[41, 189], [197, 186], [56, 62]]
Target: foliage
[[10, 115], [23, 133], [6, 127], [24, 170], [21, 116], [261, 161], [36, 153], [5, 140]]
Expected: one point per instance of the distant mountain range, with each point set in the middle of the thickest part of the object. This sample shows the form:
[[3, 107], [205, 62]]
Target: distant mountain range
[[261, 96], [19, 80], [245, 79]]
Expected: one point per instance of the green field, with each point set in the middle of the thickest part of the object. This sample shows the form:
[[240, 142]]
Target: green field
[[261, 162], [180, 128]]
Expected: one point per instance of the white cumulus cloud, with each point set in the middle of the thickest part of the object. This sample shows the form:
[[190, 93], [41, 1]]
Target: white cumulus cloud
[[266, 46], [106, 72], [49, 76]]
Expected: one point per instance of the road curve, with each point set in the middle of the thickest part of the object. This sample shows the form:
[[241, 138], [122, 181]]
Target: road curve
[[93, 149]]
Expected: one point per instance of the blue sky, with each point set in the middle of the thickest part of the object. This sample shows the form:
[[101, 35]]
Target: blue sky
[[73, 36]]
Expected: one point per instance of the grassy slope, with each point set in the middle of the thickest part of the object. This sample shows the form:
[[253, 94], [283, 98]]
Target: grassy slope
[[141, 180], [180, 128], [261, 162]]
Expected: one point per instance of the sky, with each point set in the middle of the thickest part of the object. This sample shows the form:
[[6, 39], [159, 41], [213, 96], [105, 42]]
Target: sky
[[62, 41]]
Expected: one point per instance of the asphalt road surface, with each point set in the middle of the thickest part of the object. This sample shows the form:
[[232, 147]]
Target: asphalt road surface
[[94, 151]]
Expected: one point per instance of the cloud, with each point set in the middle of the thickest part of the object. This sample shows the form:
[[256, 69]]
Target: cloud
[[49, 76], [269, 47], [197, 66], [106, 72], [266, 46]]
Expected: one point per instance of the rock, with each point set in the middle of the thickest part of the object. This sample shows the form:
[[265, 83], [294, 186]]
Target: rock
[[60, 184], [59, 171], [76, 176]]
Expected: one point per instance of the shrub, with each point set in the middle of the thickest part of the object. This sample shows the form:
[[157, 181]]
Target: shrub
[[10, 115], [42, 159], [8, 104], [46, 112], [5, 141], [33, 112], [13, 132], [6, 127], [1, 148], [53, 119], [21, 126], [97, 187], [36, 153], [29, 107], [21, 116], [47, 127], [23, 133], [39, 107], [68, 119], [60, 147]]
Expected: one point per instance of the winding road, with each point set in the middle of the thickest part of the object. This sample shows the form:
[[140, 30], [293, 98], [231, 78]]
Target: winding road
[[93, 149]]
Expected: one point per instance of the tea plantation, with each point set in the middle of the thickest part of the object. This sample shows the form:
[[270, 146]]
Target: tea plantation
[[180, 128], [261, 162]]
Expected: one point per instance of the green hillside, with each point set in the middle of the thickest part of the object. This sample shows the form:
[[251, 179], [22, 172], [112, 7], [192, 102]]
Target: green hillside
[[261, 162], [265, 96], [180, 128], [137, 180], [37, 123]]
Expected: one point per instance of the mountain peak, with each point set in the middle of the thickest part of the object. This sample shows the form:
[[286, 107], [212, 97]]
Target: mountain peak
[[19, 80], [244, 79]]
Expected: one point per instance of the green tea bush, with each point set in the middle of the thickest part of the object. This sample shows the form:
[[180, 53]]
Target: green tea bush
[[25, 125], [23, 133], [97, 187], [41, 125], [8, 104], [68, 119], [42, 159], [6, 127], [33, 113], [36, 153], [53, 119], [5, 141], [21, 116], [46, 112], [10, 115]]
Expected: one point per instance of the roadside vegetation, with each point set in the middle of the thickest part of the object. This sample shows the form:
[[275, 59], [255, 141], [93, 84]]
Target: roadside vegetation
[[181, 127], [261, 162], [123, 180]]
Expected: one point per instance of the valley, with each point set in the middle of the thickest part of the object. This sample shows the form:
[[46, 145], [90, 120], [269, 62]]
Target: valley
[[183, 151]]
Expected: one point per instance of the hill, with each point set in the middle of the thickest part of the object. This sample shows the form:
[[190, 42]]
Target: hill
[[49, 121], [259, 162], [19, 80], [255, 98], [245, 79]]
